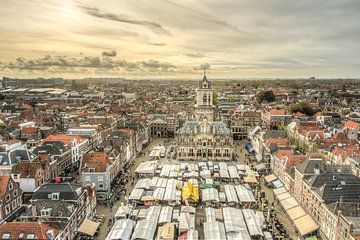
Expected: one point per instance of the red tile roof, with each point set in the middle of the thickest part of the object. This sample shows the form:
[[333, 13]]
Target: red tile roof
[[99, 161], [66, 139], [4, 182], [37, 228], [351, 125], [278, 112]]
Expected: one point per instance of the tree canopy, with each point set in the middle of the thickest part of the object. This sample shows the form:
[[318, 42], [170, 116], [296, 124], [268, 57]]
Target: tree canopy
[[267, 96], [303, 107]]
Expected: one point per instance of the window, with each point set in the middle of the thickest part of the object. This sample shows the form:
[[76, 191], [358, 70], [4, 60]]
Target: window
[[11, 186], [87, 178], [55, 196], [5, 236], [7, 209], [46, 212], [21, 236], [7, 197], [101, 185], [100, 178], [15, 193], [91, 169], [13, 204]]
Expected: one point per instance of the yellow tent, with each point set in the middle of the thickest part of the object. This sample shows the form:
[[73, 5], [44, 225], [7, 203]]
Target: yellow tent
[[190, 191]]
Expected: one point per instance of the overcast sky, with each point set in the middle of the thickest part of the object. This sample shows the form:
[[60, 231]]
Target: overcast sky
[[171, 38]]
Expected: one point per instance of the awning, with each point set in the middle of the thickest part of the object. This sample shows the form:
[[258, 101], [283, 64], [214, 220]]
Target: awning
[[250, 179], [283, 196], [289, 203], [89, 227], [306, 225], [296, 212], [279, 191], [260, 167], [270, 178], [277, 183]]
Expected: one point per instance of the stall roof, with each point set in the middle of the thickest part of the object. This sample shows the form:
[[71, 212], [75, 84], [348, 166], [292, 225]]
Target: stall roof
[[253, 222], [244, 194], [279, 191], [224, 173], [233, 172], [223, 166], [186, 222], [283, 196], [270, 178], [165, 214], [261, 166], [158, 194], [136, 194], [147, 167], [242, 235], [250, 179], [210, 214], [144, 229], [234, 220], [278, 183], [289, 203], [231, 193], [296, 212], [143, 183], [122, 229], [122, 211], [214, 230], [89, 227], [306, 225], [210, 194], [166, 232], [192, 234]]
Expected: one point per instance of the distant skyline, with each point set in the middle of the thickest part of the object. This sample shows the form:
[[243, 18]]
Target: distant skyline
[[177, 39]]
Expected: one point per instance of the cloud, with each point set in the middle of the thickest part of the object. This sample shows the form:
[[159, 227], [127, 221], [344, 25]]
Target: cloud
[[208, 18], [195, 55], [202, 66], [156, 44], [109, 54], [96, 12], [68, 64]]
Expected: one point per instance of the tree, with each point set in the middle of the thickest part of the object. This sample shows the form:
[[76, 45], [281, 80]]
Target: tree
[[267, 96], [303, 107]]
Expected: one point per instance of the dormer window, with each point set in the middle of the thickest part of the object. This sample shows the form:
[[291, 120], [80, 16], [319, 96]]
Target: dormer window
[[55, 196], [11, 186], [46, 212], [91, 169]]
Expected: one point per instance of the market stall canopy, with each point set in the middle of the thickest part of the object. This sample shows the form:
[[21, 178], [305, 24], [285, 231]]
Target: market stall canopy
[[250, 179], [279, 191], [289, 203], [270, 178], [89, 227], [306, 225], [283, 196], [296, 212], [277, 183]]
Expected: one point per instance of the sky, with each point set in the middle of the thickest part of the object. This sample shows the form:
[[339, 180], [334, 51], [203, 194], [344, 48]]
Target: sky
[[178, 39]]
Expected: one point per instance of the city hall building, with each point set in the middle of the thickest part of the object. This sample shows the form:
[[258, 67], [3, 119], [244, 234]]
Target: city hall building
[[203, 138]]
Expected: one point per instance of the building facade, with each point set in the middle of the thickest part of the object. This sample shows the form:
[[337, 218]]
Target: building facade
[[203, 138]]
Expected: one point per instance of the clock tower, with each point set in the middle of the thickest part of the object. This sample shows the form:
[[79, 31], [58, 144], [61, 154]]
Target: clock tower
[[204, 106]]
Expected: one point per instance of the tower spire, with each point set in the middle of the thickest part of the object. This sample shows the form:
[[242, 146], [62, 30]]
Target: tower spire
[[204, 71]]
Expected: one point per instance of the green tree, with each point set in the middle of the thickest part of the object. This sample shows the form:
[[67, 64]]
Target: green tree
[[303, 107], [267, 96]]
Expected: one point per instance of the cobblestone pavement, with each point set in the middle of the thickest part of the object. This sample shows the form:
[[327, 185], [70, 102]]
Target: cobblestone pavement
[[105, 210]]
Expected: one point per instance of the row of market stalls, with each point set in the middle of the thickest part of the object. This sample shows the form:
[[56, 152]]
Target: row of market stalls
[[303, 222], [162, 220], [150, 191], [233, 223]]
